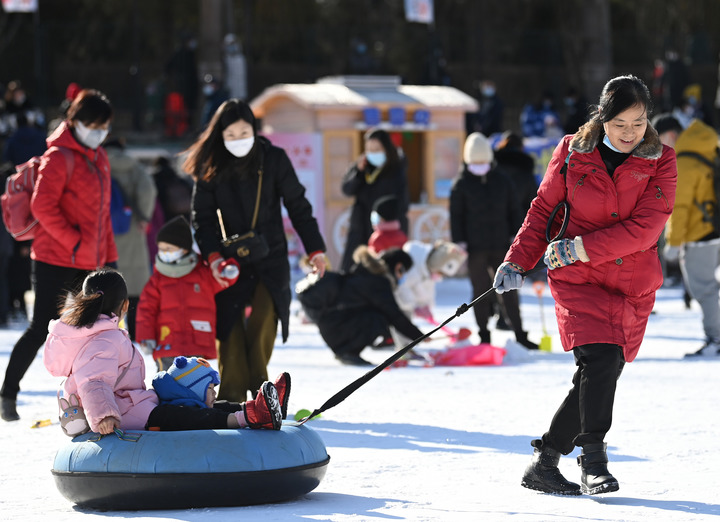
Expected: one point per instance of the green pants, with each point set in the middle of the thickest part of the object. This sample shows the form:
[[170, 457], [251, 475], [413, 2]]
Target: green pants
[[243, 357]]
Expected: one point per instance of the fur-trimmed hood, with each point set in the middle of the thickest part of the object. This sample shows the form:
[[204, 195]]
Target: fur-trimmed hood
[[363, 257], [589, 135]]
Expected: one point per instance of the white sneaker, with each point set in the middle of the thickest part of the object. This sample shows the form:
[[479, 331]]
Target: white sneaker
[[711, 348]]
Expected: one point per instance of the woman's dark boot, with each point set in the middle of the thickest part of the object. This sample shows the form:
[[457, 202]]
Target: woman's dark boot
[[595, 476], [8, 410], [543, 474]]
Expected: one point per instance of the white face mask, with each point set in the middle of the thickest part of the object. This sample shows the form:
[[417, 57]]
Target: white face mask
[[90, 137], [240, 148], [376, 158], [478, 169], [374, 218], [170, 256]]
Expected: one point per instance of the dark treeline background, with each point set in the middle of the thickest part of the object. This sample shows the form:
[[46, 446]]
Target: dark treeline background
[[526, 46]]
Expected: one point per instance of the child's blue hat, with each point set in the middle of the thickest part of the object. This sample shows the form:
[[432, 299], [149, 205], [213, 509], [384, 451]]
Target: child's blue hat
[[195, 374]]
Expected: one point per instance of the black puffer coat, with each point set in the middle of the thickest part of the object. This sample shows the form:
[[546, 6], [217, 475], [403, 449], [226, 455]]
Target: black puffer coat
[[388, 183], [521, 169], [484, 211], [235, 196], [363, 308]]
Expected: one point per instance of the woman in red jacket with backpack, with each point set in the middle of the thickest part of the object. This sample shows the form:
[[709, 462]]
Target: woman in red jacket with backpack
[[618, 180], [71, 202]]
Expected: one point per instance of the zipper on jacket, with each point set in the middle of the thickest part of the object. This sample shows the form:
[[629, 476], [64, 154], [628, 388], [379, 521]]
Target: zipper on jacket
[[660, 194], [579, 183]]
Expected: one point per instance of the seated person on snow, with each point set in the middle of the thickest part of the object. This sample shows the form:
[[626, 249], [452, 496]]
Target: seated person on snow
[[386, 226], [351, 310], [187, 400], [176, 311], [416, 293]]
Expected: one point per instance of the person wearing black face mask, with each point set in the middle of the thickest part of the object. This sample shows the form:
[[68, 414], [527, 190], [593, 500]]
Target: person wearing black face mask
[[74, 235], [240, 181]]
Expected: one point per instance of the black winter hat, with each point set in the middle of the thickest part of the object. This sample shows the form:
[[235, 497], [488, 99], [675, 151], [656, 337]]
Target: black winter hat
[[176, 232], [387, 208]]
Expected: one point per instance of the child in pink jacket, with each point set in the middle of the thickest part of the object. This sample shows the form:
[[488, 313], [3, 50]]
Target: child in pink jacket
[[107, 374]]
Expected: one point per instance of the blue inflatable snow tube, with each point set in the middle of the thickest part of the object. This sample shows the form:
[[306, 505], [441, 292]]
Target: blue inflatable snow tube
[[186, 469]]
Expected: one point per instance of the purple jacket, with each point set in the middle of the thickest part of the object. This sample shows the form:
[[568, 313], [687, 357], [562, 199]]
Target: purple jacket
[[92, 359]]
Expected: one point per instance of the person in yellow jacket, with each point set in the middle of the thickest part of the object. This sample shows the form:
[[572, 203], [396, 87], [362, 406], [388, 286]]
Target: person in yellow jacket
[[690, 235]]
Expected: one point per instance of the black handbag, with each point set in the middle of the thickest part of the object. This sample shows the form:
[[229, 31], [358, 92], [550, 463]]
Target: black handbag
[[251, 246]]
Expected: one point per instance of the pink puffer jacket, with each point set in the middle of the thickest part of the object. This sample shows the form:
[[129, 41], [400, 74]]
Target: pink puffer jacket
[[92, 359]]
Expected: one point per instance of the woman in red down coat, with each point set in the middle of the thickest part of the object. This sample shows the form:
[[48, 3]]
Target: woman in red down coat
[[620, 188], [71, 202]]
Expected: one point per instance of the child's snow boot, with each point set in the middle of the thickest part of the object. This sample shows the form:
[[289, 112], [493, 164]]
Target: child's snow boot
[[522, 338], [595, 476], [542, 474], [282, 384], [263, 412]]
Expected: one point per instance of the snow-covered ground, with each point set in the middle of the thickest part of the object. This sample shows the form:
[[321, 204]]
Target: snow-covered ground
[[445, 444]]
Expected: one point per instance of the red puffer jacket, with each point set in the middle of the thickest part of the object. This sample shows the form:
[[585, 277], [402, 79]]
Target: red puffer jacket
[[179, 313], [73, 209], [608, 299]]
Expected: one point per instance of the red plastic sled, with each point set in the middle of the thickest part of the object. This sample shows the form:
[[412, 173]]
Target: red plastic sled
[[474, 355]]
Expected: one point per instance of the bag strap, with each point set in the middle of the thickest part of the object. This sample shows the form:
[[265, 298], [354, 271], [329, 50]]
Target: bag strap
[[257, 199]]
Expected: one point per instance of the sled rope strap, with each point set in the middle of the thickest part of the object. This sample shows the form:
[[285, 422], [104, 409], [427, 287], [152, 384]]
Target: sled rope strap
[[353, 386]]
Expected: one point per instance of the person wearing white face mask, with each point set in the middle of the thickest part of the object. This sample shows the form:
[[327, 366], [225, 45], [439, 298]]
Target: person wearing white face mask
[[74, 235], [484, 216], [240, 181], [378, 172]]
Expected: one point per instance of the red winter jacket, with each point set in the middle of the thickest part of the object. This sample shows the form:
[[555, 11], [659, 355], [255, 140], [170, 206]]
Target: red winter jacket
[[609, 298], [73, 209], [179, 313]]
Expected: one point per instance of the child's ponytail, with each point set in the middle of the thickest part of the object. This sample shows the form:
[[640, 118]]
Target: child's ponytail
[[103, 292]]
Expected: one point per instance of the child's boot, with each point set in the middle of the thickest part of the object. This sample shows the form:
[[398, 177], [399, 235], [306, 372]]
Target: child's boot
[[542, 474], [263, 412], [282, 384], [595, 476]]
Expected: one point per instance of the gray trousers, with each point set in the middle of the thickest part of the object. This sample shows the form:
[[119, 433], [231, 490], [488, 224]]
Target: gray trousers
[[698, 263]]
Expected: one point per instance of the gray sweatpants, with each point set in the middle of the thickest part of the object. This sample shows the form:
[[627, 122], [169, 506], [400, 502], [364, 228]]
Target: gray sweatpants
[[698, 263]]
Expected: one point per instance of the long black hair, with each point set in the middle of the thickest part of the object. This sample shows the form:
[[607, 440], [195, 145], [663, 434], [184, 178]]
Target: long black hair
[[208, 155], [103, 292], [392, 158], [620, 94]]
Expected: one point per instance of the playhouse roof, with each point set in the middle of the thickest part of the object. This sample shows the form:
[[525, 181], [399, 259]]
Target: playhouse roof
[[364, 91]]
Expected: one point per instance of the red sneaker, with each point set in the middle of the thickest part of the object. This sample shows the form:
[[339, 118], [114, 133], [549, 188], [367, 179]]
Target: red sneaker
[[282, 384], [263, 412]]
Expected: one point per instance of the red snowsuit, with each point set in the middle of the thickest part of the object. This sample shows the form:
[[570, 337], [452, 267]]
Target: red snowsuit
[[179, 313], [620, 218]]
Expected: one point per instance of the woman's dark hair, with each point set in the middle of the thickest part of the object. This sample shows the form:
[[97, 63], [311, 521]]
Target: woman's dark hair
[[208, 155], [103, 292], [392, 159], [620, 94], [511, 141], [90, 106], [393, 256]]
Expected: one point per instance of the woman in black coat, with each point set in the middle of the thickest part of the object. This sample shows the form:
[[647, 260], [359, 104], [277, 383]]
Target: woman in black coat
[[380, 171], [484, 217], [239, 175]]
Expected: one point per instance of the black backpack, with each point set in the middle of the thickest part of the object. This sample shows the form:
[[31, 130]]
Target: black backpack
[[319, 295], [709, 208]]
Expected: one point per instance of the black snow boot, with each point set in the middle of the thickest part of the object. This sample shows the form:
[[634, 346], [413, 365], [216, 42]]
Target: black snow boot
[[484, 336], [595, 476], [8, 410], [542, 474], [521, 337]]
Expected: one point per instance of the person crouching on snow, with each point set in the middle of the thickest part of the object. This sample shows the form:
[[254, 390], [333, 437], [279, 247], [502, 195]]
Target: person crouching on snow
[[188, 400], [176, 313]]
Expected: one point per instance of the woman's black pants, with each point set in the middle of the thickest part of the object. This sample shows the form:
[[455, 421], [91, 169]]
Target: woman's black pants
[[585, 416]]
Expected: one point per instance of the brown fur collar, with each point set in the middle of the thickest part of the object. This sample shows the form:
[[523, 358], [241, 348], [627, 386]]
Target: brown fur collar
[[588, 137], [363, 256]]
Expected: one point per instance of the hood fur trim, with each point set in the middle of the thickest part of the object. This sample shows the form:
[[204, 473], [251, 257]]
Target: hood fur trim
[[363, 256], [588, 136]]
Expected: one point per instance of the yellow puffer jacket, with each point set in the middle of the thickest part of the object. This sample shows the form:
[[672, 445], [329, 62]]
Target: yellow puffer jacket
[[694, 185]]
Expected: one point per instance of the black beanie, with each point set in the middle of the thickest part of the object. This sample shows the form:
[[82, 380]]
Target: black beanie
[[176, 232], [387, 208]]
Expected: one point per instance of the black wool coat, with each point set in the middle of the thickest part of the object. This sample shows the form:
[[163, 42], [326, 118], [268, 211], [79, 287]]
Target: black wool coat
[[364, 308], [484, 211], [234, 193]]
